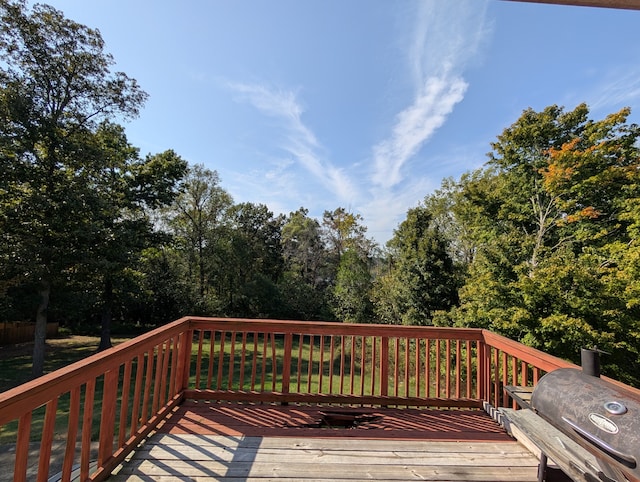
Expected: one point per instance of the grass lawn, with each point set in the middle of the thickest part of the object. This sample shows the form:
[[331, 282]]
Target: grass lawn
[[15, 369], [15, 360]]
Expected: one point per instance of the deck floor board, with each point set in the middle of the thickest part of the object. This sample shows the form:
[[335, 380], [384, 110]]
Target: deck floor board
[[229, 443]]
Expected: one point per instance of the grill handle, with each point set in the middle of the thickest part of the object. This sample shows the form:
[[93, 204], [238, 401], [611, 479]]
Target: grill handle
[[621, 457]]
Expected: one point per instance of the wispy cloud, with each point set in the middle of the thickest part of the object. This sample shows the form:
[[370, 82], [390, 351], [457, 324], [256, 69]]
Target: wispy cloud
[[618, 89], [414, 126], [299, 142], [447, 36]]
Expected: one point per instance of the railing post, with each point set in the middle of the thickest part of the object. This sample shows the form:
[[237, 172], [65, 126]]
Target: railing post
[[286, 365], [481, 376], [384, 366], [185, 340]]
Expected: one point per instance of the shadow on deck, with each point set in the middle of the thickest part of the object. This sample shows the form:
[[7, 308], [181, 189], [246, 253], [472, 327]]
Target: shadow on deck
[[232, 442]]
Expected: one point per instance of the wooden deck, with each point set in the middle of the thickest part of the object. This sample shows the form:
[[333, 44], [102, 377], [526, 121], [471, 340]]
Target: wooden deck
[[232, 442]]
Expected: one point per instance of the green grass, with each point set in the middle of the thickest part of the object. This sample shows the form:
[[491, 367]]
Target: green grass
[[15, 369]]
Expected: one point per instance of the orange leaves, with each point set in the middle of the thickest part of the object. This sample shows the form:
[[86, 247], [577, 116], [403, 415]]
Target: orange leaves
[[586, 213]]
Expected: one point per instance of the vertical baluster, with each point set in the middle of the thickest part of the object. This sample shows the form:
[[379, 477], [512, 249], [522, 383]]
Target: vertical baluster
[[223, 336], [300, 362], [342, 348], [496, 378], [232, 360], [176, 366], [147, 385], [396, 365], [458, 368], [47, 440], [264, 361], [407, 363], [427, 367], [254, 362], [166, 349], [274, 361], [447, 357], [331, 361], [373, 364], [212, 357], [87, 419], [286, 362], [438, 373], [321, 366], [137, 392], [72, 433], [469, 373], [124, 404], [363, 362], [243, 360], [199, 358], [418, 367], [310, 366], [157, 378], [22, 447], [108, 415], [352, 368], [505, 381], [480, 347]]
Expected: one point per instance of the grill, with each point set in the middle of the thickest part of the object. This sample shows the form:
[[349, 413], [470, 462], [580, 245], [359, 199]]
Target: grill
[[602, 417]]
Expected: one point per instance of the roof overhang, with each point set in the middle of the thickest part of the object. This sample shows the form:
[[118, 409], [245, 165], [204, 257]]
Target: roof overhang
[[628, 4]]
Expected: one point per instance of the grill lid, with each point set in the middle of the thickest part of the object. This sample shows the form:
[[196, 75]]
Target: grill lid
[[601, 416]]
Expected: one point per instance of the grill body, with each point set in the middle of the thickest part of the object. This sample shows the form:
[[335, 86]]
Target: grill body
[[602, 417]]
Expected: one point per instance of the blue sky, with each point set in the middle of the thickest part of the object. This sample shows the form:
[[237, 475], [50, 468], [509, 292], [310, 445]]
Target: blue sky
[[361, 104]]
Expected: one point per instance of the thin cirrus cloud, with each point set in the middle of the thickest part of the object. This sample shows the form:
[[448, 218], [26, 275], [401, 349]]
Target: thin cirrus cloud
[[447, 36], [299, 141]]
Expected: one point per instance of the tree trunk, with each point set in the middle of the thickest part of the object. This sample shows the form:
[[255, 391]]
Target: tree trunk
[[107, 309], [39, 345]]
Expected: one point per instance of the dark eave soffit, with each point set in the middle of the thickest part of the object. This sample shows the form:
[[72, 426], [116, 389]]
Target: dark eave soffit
[[628, 4]]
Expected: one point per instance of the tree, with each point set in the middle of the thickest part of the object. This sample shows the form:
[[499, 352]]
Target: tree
[[305, 278], [199, 219], [302, 247], [55, 86], [423, 278], [123, 190], [553, 218], [254, 263], [351, 293]]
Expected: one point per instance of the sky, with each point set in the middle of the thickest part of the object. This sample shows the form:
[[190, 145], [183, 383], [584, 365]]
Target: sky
[[362, 104]]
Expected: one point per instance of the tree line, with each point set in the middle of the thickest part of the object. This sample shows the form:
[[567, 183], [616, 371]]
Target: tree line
[[540, 244]]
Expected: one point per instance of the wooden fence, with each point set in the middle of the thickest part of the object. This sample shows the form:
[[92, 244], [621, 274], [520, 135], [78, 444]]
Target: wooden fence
[[12, 332]]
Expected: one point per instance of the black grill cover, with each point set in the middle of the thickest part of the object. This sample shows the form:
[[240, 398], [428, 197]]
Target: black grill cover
[[603, 417]]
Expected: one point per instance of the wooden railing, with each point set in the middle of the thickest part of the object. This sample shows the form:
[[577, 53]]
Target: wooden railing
[[89, 416]]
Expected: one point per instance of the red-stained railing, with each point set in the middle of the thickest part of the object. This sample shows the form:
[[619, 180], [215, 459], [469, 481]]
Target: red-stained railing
[[86, 418]]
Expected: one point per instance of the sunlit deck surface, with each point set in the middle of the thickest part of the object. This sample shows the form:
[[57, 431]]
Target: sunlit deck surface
[[233, 442]]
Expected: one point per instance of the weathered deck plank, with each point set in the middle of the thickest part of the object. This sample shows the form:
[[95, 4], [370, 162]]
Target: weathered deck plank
[[230, 458], [231, 442]]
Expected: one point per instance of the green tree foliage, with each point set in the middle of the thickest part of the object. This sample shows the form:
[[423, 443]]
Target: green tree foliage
[[199, 218], [553, 216], [255, 263], [352, 290], [55, 85], [306, 260], [422, 278]]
